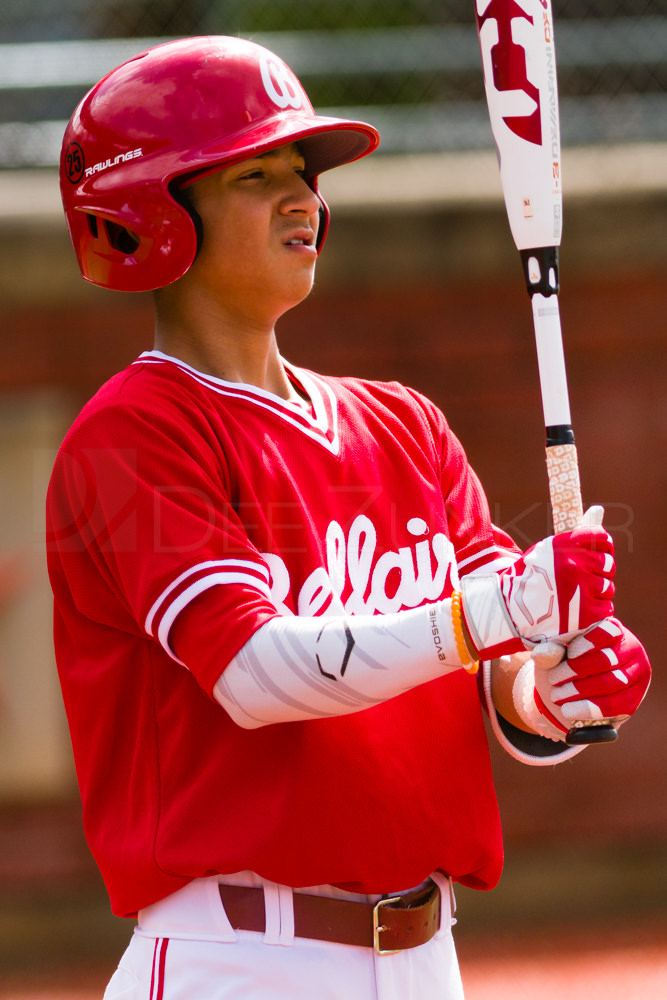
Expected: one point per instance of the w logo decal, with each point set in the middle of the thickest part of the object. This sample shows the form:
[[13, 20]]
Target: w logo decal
[[507, 58], [280, 83]]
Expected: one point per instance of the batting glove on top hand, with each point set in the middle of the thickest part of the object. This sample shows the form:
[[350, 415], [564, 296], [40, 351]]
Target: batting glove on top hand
[[555, 591], [605, 676]]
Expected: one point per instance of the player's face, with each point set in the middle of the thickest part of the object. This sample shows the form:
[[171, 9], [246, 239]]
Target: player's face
[[260, 222]]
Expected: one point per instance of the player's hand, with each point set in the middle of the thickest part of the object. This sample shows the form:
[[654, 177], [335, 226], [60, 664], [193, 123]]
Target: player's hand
[[562, 585], [555, 591], [605, 675]]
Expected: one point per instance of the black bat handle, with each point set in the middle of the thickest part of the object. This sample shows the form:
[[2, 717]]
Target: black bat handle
[[585, 735]]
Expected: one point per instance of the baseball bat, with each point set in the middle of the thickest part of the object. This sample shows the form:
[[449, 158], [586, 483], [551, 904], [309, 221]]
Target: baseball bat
[[519, 66]]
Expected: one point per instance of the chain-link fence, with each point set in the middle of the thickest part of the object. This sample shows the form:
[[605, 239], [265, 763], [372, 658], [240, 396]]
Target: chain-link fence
[[412, 67]]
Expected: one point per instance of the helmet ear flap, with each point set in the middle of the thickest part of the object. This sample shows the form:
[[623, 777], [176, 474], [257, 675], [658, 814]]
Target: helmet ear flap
[[150, 244], [180, 194]]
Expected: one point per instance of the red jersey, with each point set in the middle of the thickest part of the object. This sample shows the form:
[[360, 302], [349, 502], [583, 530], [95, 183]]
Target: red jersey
[[184, 512]]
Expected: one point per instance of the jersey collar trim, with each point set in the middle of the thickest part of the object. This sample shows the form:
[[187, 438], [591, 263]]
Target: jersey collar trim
[[321, 425]]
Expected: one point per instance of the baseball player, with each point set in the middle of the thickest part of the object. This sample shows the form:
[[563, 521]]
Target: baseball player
[[274, 588]]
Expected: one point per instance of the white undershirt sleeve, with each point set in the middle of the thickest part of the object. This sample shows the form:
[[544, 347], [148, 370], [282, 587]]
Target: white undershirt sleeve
[[296, 668]]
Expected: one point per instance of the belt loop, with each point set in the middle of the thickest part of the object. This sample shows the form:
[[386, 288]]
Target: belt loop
[[447, 902], [271, 913], [279, 914], [286, 901]]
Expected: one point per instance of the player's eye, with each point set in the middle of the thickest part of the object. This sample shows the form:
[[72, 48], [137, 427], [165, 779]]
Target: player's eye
[[256, 172]]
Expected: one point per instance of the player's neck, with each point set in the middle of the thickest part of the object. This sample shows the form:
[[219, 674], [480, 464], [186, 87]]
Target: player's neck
[[233, 352], [231, 342]]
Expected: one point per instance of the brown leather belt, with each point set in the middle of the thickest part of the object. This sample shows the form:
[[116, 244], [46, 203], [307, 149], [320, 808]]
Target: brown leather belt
[[391, 925]]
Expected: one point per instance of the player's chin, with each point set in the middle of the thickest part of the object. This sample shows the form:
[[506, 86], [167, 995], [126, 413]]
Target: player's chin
[[301, 268], [299, 282]]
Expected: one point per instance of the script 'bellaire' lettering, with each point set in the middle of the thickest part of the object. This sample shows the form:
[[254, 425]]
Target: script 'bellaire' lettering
[[357, 581]]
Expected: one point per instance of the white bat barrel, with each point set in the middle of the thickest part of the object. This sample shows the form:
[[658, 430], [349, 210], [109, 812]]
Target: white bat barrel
[[519, 63]]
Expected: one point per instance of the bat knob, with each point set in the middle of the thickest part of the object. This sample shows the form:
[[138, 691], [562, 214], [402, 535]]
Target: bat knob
[[583, 735]]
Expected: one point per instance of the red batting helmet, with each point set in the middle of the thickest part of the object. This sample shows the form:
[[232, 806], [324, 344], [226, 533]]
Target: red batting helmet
[[175, 110]]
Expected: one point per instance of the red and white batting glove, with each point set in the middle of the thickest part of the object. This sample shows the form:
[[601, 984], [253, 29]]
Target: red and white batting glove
[[555, 591], [605, 676]]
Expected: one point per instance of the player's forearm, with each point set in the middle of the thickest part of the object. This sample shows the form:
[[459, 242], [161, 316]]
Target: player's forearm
[[308, 668]]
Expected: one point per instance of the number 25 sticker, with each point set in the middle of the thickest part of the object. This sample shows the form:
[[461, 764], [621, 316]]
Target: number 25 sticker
[[74, 163]]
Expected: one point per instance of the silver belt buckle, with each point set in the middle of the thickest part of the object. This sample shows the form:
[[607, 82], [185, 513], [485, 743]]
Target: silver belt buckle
[[378, 927]]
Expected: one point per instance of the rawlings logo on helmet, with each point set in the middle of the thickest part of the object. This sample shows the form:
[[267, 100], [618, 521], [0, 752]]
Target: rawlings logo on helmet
[[121, 158]]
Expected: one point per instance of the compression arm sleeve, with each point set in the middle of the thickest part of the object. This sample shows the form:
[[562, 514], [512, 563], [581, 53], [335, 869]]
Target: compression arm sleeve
[[296, 668]]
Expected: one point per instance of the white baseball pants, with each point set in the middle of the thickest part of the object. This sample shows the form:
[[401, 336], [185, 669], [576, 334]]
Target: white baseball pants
[[184, 948]]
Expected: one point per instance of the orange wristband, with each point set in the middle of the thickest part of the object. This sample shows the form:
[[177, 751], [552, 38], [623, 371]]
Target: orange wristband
[[469, 665]]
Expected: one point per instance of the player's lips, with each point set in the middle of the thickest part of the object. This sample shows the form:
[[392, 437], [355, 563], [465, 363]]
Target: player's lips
[[301, 238]]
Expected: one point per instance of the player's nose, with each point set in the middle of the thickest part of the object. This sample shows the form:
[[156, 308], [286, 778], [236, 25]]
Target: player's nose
[[299, 196]]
